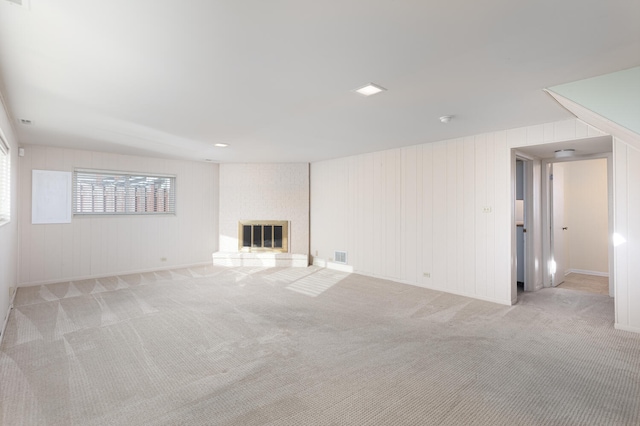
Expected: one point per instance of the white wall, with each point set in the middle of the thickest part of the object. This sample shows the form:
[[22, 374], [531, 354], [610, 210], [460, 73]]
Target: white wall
[[441, 208], [404, 213], [9, 231], [265, 192], [586, 215], [94, 246], [626, 158]]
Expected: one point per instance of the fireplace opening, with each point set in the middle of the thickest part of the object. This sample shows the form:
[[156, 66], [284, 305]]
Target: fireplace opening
[[263, 236]]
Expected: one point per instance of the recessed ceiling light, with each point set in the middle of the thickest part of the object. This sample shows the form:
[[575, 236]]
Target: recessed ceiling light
[[370, 89], [208, 160], [446, 118], [221, 145]]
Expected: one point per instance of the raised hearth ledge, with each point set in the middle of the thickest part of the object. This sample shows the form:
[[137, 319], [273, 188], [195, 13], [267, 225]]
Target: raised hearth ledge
[[260, 259]]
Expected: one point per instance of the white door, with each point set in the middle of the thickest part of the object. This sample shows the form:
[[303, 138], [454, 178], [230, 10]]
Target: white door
[[558, 227]]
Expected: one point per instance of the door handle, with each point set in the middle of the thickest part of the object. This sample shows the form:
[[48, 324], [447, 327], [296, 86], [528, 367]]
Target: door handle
[[564, 228]]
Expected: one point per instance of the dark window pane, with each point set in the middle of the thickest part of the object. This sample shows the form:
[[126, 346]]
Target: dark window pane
[[257, 235], [277, 236], [268, 231], [246, 236]]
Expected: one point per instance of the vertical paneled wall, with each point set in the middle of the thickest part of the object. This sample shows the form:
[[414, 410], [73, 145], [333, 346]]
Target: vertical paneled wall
[[9, 231], [424, 215], [626, 160], [107, 245], [265, 191], [436, 215]]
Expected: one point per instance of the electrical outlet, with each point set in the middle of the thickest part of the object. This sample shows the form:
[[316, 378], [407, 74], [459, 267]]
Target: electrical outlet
[[427, 274], [486, 209]]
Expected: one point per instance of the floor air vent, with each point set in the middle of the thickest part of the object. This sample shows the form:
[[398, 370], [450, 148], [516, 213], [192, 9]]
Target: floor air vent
[[340, 257]]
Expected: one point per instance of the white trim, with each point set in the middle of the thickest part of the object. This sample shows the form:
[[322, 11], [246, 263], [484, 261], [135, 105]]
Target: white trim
[[332, 265], [113, 274], [124, 172], [6, 318], [585, 272], [626, 328], [440, 289]]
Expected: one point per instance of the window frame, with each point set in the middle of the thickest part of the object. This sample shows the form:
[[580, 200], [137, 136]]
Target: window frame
[[126, 197]]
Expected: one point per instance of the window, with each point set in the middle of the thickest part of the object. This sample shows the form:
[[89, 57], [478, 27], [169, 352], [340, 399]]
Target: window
[[105, 192], [5, 181]]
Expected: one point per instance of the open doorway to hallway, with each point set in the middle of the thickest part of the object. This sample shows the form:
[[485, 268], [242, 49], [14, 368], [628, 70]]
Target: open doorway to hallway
[[579, 224], [546, 258]]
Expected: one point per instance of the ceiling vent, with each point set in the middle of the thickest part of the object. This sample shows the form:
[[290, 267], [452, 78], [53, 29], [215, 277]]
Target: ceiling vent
[[21, 3]]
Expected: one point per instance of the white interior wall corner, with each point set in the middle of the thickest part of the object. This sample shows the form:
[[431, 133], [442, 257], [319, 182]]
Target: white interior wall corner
[[264, 191], [9, 241]]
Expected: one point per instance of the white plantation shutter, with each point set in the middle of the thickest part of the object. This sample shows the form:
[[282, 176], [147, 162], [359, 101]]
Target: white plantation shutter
[[107, 192], [5, 181]]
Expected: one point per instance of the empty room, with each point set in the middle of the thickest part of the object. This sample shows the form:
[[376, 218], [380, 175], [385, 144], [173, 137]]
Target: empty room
[[319, 213]]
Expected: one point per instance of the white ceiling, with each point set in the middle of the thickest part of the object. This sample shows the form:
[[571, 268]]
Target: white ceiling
[[274, 79]]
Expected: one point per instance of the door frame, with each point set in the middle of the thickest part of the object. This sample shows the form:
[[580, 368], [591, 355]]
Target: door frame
[[547, 243], [532, 220]]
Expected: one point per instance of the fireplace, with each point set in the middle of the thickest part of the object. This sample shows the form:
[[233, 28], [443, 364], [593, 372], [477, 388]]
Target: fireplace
[[263, 236]]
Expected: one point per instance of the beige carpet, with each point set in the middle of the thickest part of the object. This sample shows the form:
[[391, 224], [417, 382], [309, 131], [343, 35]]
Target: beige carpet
[[215, 346], [588, 283]]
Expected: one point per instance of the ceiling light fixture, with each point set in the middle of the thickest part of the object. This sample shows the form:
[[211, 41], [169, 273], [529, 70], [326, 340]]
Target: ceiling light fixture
[[221, 145], [564, 153], [370, 89], [446, 118]]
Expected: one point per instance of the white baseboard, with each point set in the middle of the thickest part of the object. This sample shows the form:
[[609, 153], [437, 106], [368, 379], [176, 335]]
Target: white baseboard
[[585, 272], [443, 290], [6, 318], [112, 274], [332, 265], [627, 328]]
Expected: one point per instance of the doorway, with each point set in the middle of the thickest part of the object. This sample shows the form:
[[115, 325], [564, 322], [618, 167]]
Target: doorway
[[579, 218], [537, 252]]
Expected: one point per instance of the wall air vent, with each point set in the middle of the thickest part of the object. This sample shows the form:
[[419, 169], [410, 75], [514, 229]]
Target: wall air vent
[[340, 257]]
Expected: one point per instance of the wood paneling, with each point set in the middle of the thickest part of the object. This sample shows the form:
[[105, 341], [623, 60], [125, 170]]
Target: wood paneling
[[627, 225], [633, 235], [105, 245], [435, 215]]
